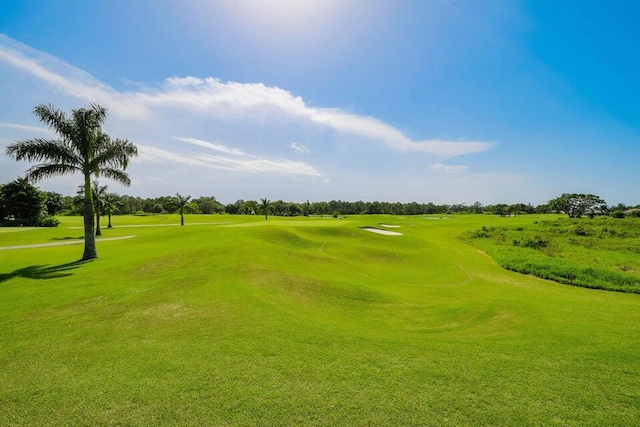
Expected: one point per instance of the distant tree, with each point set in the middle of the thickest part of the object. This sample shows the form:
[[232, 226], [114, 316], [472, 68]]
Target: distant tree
[[306, 208], [110, 205], [83, 147], [294, 209], [250, 207], [182, 203], [157, 208], [209, 205], [23, 201], [171, 204], [3, 209], [619, 207], [54, 202], [542, 209], [279, 208], [477, 208], [264, 206], [98, 194], [576, 205], [501, 209]]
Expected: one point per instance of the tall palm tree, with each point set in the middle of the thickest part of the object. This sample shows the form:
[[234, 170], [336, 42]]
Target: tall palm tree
[[98, 194], [82, 147], [182, 203], [264, 206]]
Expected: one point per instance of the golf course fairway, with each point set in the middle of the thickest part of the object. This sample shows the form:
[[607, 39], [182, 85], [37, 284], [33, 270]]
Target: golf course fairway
[[238, 320]]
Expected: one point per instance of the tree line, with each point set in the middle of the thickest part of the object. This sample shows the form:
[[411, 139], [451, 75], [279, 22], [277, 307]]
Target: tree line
[[82, 147], [25, 204]]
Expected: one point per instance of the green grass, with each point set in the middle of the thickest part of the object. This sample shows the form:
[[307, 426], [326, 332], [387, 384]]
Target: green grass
[[304, 321], [601, 253]]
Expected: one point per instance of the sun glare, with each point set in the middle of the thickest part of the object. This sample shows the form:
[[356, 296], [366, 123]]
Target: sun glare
[[286, 15]]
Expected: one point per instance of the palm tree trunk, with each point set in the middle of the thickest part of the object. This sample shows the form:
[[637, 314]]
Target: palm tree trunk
[[89, 238], [109, 225], [98, 231]]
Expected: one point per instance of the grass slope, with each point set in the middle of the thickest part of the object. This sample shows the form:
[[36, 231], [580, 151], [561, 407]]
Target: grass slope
[[304, 321]]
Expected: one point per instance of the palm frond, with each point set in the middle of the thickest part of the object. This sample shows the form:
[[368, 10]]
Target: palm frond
[[113, 153], [116, 175], [99, 112], [54, 118], [40, 149], [98, 191], [46, 170]]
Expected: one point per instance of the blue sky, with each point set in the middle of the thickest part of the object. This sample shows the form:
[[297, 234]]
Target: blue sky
[[443, 101]]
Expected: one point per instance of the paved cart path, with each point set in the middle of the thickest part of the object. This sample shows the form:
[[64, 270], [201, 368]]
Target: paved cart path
[[67, 242]]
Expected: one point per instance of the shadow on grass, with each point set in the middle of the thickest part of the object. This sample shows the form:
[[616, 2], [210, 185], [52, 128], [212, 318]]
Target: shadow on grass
[[41, 272], [68, 238]]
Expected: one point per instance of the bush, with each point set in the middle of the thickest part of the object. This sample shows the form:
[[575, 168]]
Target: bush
[[49, 221], [617, 214]]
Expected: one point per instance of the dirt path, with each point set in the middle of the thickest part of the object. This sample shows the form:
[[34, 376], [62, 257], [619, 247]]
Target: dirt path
[[67, 242]]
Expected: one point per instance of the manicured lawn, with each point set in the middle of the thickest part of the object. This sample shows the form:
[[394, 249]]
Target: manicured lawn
[[304, 321]]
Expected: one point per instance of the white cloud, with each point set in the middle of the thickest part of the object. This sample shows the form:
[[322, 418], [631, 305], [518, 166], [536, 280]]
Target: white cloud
[[300, 148], [212, 146], [439, 167], [224, 100]]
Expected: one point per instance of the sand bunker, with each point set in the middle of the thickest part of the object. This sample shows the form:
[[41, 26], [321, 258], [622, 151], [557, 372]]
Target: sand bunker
[[390, 226], [385, 232]]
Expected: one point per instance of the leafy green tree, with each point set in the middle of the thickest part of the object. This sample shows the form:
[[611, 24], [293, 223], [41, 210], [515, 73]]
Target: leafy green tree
[[82, 147], [182, 204], [576, 205], [279, 208], [54, 202], [322, 208], [23, 201], [294, 209], [250, 207], [264, 207], [306, 208], [208, 205]]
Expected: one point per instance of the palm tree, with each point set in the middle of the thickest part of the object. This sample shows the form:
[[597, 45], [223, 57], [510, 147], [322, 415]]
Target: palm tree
[[98, 194], [182, 203], [110, 205], [264, 206], [82, 147]]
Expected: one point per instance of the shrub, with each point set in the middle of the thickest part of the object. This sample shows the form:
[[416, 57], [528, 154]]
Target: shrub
[[49, 221]]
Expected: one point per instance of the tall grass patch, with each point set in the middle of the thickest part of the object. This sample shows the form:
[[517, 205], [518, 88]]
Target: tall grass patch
[[600, 253]]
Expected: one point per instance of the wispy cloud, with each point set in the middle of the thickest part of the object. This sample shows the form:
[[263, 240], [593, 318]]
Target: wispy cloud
[[300, 148], [247, 164], [211, 97], [211, 145], [26, 128], [439, 167]]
